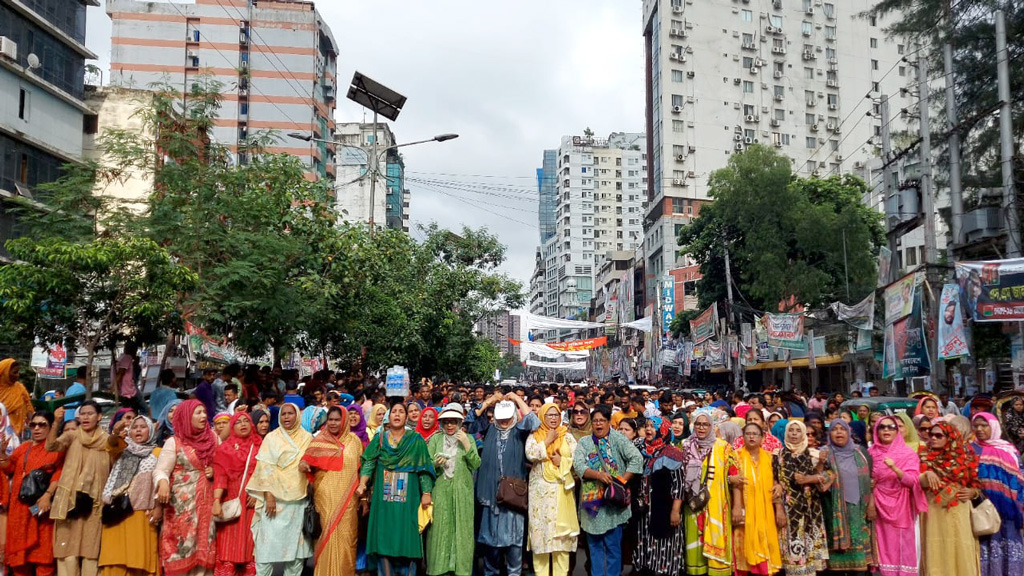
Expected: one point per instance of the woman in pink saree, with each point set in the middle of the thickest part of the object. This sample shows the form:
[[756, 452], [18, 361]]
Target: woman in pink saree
[[898, 499]]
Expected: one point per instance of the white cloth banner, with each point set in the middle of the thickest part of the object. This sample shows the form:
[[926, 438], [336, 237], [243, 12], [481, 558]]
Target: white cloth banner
[[558, 365], [528, 322], [545, 351], [643, 324]]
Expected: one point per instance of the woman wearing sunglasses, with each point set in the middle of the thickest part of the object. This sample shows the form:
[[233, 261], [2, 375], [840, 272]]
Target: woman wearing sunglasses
[[898, 499], [949, 475]]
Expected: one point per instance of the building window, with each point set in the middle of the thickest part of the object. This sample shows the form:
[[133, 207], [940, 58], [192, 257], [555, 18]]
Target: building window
[[748, 109], [830, 32], [830, 10], [748, 62], [903, 70], [748, 39], [677, 100], [874, 42], [780, 91], [899, 48], [874, 64], [746, 15], [243, 108], [811, 142], [809, 73], [780, 115], [806, 27], [677, 75], [748, 87], [678, 126], [830, 53], [874, 20], [23, 104], [874, 86], [810, 119], [776, 20]]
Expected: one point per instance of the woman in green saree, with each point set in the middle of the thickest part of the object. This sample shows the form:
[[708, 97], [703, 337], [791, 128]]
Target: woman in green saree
[[399, 464]]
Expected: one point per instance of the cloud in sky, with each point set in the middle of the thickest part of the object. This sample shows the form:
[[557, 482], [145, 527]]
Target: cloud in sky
[[510, 77]]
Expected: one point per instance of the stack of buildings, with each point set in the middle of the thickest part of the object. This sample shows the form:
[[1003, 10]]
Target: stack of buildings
[[500, 328], [391, 198]]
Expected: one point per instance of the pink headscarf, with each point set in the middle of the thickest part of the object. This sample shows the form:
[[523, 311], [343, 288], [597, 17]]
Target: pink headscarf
[[996, 446], [897, 501]]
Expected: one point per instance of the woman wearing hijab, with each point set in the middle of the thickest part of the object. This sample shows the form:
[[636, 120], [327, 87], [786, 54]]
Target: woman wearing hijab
[[29, 541], [332, 462], [413, 410], [729, 431], [165, 422], [375, 420], [13, 395], [279, 488], [450, 539], [1000, 479], [949, 475], [504, 454], [579, 420], [132, 545], [778, 429], [313, 417], [599, 458], [77, 502], [184, 484], [756, 515], [554, 526], [661, 540], [708, 461], [929, 406], [908, 430], [122, 414], [233, 465], [1013, 422], [357, 423], [803, 541], [848, 506], [398, 463], [222, 426], [814, 421], [261, 423], [898, 498], [427, 425]]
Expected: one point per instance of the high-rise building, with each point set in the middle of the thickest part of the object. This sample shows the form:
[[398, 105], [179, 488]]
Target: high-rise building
[[275, 59], [391, 198], [500, 328], [803, 76], [42, 87], [546, 178], [599, 203]]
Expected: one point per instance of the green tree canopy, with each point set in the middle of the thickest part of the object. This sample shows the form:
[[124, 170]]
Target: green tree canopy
[[786, 235]]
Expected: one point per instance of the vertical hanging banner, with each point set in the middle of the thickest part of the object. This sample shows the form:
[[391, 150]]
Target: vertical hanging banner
[[952, 337], [668, 302], [891, 368], [910, 344], [899, 297], [784, 327], [703, 327], [992, 290], [884, 265]]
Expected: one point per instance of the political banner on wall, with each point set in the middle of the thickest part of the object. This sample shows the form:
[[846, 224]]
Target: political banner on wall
[[884, 265], [910, 345], [899, 297], [952, 337], [992, 290], [703, 327], [784, 327]]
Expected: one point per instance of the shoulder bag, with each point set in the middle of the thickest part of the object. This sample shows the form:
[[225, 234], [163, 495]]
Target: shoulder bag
[[311, 527], [120, 507], [231, 509], [617, 493], [34, 483], [513, 493], [985, 519], [698, 501]]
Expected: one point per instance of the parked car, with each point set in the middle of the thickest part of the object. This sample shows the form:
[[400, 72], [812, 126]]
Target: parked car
[[888, 405]]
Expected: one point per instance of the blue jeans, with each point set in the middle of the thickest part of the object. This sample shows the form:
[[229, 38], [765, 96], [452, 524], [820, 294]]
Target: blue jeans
[[513, 556], [606, 552], [395, 566]]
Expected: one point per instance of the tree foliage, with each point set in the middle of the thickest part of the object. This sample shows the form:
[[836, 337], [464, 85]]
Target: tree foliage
[[786, 235]]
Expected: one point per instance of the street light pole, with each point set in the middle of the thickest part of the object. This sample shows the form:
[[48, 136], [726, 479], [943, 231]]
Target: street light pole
[[374, 173]]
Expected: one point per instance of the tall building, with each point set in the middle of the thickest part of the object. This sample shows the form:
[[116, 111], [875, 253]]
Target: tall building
[[722, 75], [391, 198], [546, 178], [42, 87], [500, 327], [599, 202], [276, 61]]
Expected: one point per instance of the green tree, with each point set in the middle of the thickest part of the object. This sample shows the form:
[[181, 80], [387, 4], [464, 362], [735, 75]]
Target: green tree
[[91, 294], [785, 234]]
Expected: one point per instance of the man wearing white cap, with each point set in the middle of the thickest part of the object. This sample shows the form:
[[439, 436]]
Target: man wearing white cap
[[503, 461]]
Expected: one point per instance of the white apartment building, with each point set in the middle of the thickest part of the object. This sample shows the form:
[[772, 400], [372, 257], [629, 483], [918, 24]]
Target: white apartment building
[[600, 190], [352, 190], [802, 75]]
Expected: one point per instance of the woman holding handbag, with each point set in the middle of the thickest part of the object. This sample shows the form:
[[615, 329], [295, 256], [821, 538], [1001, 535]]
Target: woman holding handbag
[[280, 490], [332, 463], [29, 544], [232, 508], [605, 461], [709, 461], [1000, 477], [949, 476], [130, 543]]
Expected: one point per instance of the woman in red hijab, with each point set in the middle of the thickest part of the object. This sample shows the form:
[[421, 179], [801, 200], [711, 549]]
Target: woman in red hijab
[[232, 468], [428, 425], [184, 478]]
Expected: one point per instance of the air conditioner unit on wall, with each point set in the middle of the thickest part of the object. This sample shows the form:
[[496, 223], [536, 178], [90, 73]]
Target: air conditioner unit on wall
[[8, 48]]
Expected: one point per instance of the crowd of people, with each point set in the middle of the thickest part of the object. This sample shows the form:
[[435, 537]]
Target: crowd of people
[[256, 473]]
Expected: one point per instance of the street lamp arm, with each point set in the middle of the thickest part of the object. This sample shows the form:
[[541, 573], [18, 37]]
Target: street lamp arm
[[309, 138]]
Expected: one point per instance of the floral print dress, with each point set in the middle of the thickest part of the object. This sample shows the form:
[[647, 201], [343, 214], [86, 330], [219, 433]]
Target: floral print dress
[[803, 541]]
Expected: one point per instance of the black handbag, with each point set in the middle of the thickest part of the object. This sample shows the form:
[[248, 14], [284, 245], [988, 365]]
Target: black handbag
[[311, 527], [33, 484], [119, 509], [83, 506], [699, 500], [617, 494]]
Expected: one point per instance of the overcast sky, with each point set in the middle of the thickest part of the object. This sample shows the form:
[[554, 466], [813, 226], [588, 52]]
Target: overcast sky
[[510, 77]]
